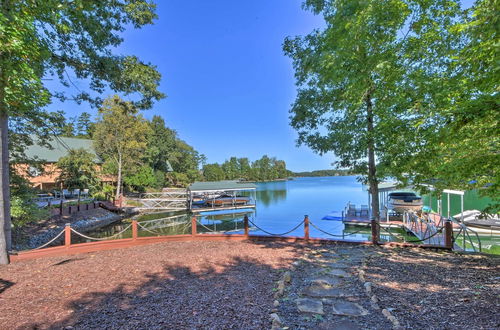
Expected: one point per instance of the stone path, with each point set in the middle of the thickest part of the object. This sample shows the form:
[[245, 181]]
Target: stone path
[[327, 290]]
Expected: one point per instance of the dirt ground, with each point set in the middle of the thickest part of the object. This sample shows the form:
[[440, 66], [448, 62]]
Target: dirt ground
[[221, 285]]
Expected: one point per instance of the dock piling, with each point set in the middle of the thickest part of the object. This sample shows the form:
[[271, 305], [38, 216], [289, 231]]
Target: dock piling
[[448, 234], [193, 226], [306, 227], [245, 221]]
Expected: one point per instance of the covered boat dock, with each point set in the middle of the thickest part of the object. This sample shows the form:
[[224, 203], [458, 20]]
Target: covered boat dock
[[221, 195]]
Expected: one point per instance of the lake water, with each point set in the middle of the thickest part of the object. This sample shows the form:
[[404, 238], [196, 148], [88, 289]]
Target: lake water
[[281, 206]]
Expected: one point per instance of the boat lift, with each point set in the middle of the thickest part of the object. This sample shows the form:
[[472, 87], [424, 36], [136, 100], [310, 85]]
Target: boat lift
[[200, 192]]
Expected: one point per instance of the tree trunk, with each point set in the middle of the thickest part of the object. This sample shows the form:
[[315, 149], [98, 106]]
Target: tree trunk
[[372, 169], [119, 183], [5, 226]]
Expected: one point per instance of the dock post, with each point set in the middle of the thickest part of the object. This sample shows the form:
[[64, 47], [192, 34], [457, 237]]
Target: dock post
[[374, 231], [193, 226], [245, 221], [134, 230], [67, 235], [448, 235], [306, 227]]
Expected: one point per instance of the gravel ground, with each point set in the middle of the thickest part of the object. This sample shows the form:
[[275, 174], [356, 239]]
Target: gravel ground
[[177, 285], [437, 290]]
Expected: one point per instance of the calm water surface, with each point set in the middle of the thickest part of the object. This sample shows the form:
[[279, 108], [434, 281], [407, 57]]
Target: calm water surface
[[280, 207]]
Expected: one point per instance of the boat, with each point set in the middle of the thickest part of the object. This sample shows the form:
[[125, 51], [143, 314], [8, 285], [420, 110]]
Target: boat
[[404, 201], [225, 200], [480, 222]]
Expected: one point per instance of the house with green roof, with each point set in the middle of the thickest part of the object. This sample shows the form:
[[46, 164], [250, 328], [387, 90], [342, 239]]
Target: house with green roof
[[48, 156]]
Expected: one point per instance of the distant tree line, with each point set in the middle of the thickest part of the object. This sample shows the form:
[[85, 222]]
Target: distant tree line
[[325, 173], [264, 169]]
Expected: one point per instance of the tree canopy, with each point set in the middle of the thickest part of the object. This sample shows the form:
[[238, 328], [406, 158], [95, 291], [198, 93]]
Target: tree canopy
[[368, 72], [57, 40]]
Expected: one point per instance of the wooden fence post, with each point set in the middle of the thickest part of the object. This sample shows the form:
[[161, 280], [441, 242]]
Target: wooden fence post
[[67, 235], [78, 204], [120, 201], [245, 221], [448, 235], [306, 227], [193, 226], [375, 231], [134, 230], [69, 209], [61, 207]]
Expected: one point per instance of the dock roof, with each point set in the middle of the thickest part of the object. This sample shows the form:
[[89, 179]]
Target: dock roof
[[227, 185]]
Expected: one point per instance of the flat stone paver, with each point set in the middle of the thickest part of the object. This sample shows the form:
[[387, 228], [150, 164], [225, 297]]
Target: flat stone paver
[[326, 281], [348, 308], [307, 305], [339, 272], [319, 291], [338, 325]]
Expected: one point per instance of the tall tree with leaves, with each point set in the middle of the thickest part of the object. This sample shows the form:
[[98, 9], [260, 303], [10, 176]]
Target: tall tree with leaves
[[460, 150], [59, 39], [120, 136], [358, 76], [78, 170]]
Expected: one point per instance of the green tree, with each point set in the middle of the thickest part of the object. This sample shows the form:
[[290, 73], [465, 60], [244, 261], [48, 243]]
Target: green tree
[[231, 169], [84, 125], [161, 144], [59, 39], [78, 170], [142, 178], [213, 172], [120, 136], [244, 167], [368, 71], [460, 149]]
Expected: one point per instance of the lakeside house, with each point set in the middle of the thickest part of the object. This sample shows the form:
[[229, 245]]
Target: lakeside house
[[45, 177]]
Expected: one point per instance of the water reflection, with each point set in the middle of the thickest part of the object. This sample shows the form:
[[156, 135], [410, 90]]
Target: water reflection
[[271, 192]]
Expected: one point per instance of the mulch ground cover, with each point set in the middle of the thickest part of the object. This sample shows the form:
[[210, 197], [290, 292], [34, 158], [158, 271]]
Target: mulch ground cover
[[220, 285], [437, 290], [177, 285]]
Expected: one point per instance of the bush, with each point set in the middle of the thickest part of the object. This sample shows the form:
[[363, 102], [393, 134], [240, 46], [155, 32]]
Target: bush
[[24, 211]]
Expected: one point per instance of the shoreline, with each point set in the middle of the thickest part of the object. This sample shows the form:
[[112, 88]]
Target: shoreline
[[36, 234]]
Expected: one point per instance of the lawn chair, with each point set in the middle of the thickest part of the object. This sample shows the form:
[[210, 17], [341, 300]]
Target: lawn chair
[[76, 192], [84, 193], [66, 193], [351, 210]]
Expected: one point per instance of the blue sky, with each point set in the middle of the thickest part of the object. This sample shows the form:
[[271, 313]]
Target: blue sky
[[228, 82]]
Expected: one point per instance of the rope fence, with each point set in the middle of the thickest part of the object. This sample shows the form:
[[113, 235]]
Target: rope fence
[[274, 234], [51, 241], [334, 235], [101, 238]]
